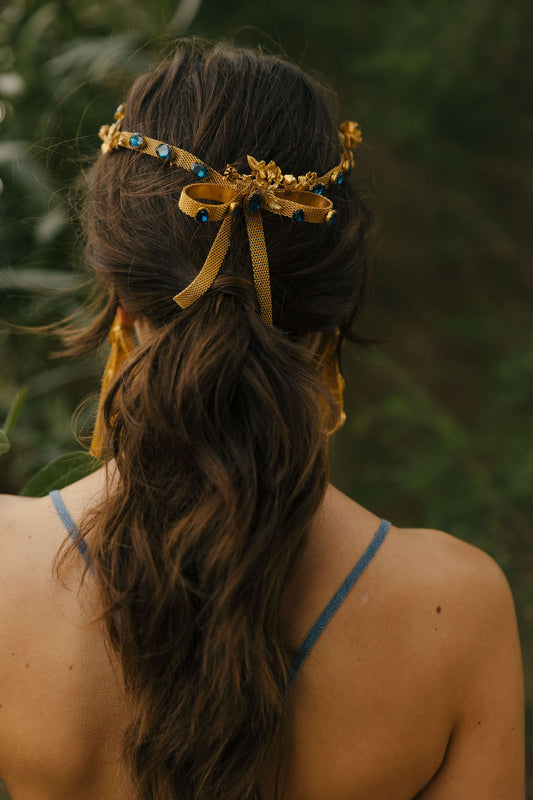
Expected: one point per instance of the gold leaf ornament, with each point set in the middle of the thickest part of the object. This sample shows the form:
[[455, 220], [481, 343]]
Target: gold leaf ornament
[[350, 135]]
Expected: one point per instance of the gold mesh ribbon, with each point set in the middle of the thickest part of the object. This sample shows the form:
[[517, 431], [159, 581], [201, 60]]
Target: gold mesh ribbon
[[219, 197], [121, 341], [256, 237], [331, 375]]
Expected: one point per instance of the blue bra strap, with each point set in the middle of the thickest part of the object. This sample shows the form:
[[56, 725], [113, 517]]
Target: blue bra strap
[[71, 527], [336, 600]]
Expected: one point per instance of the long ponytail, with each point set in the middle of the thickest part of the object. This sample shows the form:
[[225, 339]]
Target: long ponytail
[[218, 437], [217, 424]]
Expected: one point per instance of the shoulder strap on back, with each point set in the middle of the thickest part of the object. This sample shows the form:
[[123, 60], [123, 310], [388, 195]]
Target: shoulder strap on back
[[336, 600], [71, 528]]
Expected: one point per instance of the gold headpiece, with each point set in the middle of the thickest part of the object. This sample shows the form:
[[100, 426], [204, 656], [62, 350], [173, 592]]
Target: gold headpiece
[[219, 197]]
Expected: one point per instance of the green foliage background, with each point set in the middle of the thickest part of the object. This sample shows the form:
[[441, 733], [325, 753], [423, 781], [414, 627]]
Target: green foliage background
[[440, 427]]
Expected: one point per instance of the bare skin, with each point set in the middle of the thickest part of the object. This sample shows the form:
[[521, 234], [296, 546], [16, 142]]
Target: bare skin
[[414, 689]]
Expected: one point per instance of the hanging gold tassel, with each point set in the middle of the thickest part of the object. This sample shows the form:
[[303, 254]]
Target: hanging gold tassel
[[122, 343], [332, 377]]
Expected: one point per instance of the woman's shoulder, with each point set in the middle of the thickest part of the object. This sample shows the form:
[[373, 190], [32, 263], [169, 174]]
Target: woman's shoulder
[[32, 525], [451, 602], [25, 520], [448, 555], [418, 650], [470, 579], [21, 522], [474, 632], [29, 538], [428, 576], [419, 552], [31, 534]]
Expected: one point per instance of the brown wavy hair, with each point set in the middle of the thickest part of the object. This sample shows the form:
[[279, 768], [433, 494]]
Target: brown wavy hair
[[217, 422]]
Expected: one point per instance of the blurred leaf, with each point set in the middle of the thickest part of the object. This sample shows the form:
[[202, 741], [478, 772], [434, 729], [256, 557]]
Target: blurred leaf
[[91, 58], [27, 173], [63, 471], [10, 151], [49, 380], [4, 442], [185, 14], [32, 280], [11, 84], [49, 226], [14, 411], [12, 414], [33, 30]]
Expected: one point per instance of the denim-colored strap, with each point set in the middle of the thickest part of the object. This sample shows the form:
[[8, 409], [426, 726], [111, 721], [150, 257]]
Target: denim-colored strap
[[71, 527], [336, 600]]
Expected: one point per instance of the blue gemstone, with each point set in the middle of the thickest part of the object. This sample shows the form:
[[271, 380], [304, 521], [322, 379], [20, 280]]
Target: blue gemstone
[[318, 188], [200, 170], [136, 140], [298, 215], [340, 178], [254, 203], [332, 218], [164, 152], [202, 215]]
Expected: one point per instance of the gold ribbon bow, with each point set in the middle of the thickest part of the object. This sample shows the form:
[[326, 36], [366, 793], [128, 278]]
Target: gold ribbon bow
[[218, 198]]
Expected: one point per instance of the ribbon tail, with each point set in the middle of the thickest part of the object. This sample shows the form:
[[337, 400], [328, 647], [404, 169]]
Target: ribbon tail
[[122, 343], [211, 266], [256, 238]]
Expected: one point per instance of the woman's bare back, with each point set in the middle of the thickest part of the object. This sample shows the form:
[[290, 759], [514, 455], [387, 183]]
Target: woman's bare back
[[413, 689]]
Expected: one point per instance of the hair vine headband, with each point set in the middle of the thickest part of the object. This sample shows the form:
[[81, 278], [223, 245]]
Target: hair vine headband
[[220, 197]]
